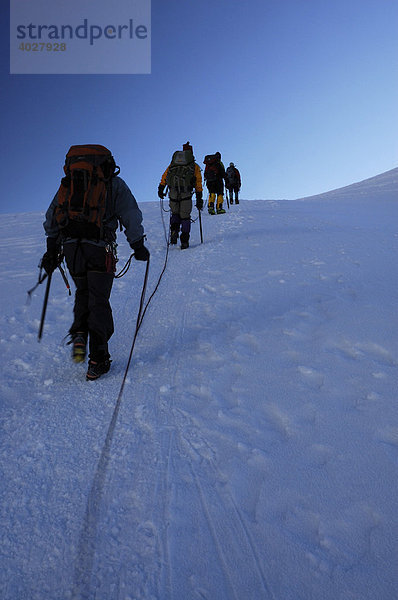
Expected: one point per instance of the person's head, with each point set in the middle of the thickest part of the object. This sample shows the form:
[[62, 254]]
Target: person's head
[[187, 146], [218, 154], [108, 168], [231, 164]]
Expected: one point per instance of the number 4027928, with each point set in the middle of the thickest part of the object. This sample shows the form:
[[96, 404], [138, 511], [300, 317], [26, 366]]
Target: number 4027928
[[42, 47]]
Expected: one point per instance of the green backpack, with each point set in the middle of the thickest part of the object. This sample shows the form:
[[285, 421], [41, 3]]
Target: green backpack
[[181, 175]]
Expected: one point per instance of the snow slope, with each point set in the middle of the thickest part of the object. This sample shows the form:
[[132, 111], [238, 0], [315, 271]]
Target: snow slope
[[380, 187], [254, 452]]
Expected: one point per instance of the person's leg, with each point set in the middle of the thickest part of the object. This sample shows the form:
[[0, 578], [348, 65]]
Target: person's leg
[[100, 319], [212, 198], [79, 329], [175, 221], [185, 214], [80, 308], [220, 198]]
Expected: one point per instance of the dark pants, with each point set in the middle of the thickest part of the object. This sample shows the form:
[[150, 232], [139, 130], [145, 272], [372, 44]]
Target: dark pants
[[231, 193], [92, 270], [180, 216], [176, 223]]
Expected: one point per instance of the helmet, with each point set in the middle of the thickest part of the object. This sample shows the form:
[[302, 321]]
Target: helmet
[[231, 164]]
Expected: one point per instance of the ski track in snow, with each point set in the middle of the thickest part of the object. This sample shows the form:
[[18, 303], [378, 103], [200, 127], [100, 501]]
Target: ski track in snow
[[254, 451]]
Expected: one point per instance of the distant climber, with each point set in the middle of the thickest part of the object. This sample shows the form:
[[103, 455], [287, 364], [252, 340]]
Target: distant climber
[[233, 183], [182, 177], [215, 176]]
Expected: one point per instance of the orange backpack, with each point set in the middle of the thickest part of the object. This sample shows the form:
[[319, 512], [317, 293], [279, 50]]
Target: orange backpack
[[82, 195]]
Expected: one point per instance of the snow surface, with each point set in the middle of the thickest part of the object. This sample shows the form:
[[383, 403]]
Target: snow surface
[[254, 452]]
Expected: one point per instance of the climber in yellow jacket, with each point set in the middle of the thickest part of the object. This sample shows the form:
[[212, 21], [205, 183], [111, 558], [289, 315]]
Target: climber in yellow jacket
[[182, 177]]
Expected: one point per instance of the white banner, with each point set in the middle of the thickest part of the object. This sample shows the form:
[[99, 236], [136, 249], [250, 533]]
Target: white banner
[[80, 37]]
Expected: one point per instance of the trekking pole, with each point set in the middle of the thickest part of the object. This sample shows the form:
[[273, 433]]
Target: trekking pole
[[43, 312], [226, 194], [200, 226]]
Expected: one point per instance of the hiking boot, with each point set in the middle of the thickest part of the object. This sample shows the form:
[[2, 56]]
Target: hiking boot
[[173, 237], [211, 208], [79, 342], [236, 201], [96, 369], [220, 210]]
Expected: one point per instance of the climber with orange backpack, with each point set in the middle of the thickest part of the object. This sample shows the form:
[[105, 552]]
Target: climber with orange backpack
[[82, 219]]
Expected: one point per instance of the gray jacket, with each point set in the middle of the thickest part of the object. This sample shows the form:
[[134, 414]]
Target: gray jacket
[[123, 207]]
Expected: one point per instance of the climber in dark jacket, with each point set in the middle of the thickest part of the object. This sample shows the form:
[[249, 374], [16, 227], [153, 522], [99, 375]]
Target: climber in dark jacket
[[233, 183], [92, 264], [215, 176]]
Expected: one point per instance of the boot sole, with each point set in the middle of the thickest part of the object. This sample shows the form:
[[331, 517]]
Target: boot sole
[[93, 377]]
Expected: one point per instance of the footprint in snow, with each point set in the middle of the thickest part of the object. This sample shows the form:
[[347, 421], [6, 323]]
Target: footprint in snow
[[208, 288], [312, 377], [279, 421], [319, 455], [362, 350], [249, 342], [389, 438]]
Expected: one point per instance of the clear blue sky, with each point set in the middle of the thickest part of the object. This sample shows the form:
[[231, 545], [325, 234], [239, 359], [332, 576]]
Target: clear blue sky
[[301, 94]]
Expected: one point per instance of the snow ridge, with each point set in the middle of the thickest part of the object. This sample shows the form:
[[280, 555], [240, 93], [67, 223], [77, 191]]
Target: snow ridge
[[380, 187]]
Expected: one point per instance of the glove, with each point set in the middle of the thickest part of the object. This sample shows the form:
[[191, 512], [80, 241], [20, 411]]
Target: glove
[[50, 261], [161, 191], [140, 252], [199, 201]]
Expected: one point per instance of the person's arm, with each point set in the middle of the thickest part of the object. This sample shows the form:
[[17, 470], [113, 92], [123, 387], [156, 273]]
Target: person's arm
[[127, 210], [162, 184], [50, 225], [198, 179]]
